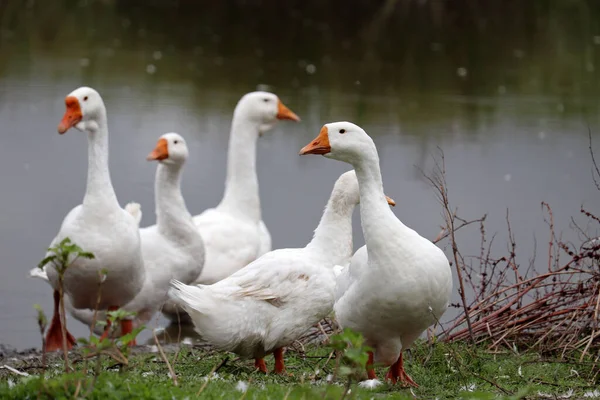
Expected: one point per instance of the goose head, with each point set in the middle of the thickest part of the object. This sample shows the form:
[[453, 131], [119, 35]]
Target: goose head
[[265, 109], [84, 109], [170, 149], [346, 190], [342, 141]]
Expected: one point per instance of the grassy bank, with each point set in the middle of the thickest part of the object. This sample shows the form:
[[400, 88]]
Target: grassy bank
[[443, 371]]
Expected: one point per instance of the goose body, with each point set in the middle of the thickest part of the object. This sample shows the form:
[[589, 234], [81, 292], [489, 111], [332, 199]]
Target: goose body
[[99, 225], [171, 249], [233, 232], [112, 236], [271, 302], [400, 283]]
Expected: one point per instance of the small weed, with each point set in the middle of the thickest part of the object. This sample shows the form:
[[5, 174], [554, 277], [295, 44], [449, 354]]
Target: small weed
[[62, 256], [352, 356]]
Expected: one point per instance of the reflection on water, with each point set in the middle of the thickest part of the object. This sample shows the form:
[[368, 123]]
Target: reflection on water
[[505, 89]]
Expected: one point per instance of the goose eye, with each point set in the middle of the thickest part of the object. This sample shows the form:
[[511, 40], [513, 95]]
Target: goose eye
[[342, 131], [175, 141], [266, 100], [85, 98]]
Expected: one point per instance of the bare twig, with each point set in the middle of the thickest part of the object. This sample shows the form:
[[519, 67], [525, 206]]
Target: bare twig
[[554, 310], [210, 374], [101, 277], [178, 339], [595, 169], [552, 237], [13, 370], [63, 321], [593, 335], [165, 359], [444, 233], [438, 181]]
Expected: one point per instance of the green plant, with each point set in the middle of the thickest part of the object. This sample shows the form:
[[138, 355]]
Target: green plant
[[62, 256], [117, 350], [114, 318], [353, 356], [42, 323]]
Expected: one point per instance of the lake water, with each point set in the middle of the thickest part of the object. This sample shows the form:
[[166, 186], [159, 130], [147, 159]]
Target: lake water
[[507, 94]]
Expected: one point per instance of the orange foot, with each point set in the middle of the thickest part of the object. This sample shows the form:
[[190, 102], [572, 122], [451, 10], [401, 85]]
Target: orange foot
[[398, 374], [279, 364], [54, 337], [259, 364], [370, 369], [127, 327]]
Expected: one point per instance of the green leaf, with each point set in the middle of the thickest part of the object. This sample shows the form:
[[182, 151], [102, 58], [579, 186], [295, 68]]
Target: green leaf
[[127, 338], [41, 317], [139, 329], [75, 249], [62, 253], [87, 255], [64, 242], [45, 261], [120, 314], [105, 343]]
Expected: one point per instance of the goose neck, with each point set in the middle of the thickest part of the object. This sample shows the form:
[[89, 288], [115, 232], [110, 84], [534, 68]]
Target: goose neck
[[241, 185], [172, 216], [376, 215], [333, 236], [99, 190]]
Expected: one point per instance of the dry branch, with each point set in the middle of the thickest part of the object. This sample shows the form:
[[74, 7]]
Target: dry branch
[[554, 310], [438, 181]]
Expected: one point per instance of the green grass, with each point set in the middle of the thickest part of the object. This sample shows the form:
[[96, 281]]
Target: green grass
[[443, 371]]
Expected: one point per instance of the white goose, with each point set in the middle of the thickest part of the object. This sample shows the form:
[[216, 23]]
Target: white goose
[[233, 232], [99, 225], [172, 249], [402, 283], [272, 301]]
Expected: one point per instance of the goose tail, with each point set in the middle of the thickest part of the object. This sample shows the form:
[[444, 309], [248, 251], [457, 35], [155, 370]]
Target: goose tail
[[135, 209], [39, 273], [190, 297]]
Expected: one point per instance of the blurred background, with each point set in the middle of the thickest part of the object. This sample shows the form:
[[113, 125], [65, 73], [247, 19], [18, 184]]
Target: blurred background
[[507, 89]]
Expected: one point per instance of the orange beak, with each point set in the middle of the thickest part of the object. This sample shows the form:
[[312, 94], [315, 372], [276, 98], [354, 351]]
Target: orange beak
[[285, 113], [72, 115], [320, 145], [160, 152], [390, 201]]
